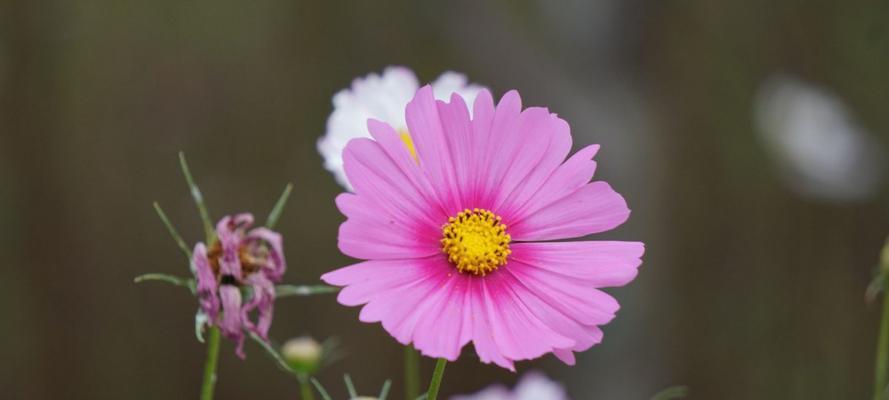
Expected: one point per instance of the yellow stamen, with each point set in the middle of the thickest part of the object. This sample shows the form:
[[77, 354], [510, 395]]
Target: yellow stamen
[[475, 241], [406, 138]]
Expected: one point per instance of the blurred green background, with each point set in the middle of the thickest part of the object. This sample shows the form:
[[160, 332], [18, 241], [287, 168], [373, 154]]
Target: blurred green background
[[751, 288]]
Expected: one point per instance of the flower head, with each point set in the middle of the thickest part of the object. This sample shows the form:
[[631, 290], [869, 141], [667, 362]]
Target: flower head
[[532, 386], [381, 97], [239, 261], [456, 234]]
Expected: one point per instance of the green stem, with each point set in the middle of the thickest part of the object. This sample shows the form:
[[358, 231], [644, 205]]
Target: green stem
[[435, 384], [882, 363], [198, 200], [305, 389], [210, 365], [411, 373]]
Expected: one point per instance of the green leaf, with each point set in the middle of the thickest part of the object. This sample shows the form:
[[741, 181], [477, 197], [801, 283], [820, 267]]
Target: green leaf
[[303, 290], [172, 279], [273, 217], [198, 200], [173, 232], [321, 391], [675, 392]]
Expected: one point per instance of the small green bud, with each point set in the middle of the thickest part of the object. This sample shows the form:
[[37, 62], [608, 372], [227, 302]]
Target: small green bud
[[303, 354]]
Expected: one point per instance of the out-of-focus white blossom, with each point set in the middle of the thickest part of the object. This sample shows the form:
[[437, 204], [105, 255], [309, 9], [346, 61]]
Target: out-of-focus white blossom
[[821, 150], [532, 386], [381, 97]]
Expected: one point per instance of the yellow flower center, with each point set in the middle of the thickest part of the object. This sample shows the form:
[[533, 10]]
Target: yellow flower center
[[406, 138], [475, 241]]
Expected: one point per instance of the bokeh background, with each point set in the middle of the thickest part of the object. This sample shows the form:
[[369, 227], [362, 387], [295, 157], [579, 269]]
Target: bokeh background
[[748, 137]]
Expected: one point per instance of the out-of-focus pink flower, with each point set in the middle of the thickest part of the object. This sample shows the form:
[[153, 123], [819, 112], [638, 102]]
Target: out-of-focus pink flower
[[238, 260], [381, 97], [532, 386], [461, 237]]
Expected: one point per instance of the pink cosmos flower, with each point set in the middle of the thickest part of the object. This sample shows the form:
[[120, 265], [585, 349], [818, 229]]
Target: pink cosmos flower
[[459, 235], [238, 259], [532, 386]]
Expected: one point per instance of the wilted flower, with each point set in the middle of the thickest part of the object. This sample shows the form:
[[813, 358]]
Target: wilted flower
[[239, 262], [381, 97], [454, 232], [532, 386]]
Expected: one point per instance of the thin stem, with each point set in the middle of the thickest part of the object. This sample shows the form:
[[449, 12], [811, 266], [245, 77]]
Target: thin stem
[[435, 383], [411, 373], [209, 383], [384, 392], [305, 389], [882, 363], [273, 217], [173, 232], [321, 390], [303, 290], [198, 200], [350, 386], [671, 393]]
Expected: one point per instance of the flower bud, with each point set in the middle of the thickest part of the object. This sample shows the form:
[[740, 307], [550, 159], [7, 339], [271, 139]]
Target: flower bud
[[303, 354]]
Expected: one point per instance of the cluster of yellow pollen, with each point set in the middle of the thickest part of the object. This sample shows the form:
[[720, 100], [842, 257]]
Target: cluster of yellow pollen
[[475, 241]]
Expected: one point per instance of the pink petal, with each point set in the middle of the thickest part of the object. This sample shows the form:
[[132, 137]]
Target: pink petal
[[557, 148], [262, 301], [396, 220], [437, 333], [458, 133], [206, 282], [520, 154], [433, 152], [482, 334], [584, 336], [381, 181], [577, 299], [231, 325], [591, 209], [499, 132], [517, 332], [276, 266], [599, 263], [567, 356], [391, 142], [371, 230], [566, 179]]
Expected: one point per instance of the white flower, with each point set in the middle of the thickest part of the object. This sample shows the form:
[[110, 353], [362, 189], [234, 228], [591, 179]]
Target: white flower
[[819, 147], [382, 97], [532, 386]]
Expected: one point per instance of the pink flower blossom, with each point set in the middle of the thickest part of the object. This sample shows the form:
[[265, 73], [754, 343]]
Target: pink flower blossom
[[462, 238], [238, 260]]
